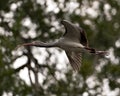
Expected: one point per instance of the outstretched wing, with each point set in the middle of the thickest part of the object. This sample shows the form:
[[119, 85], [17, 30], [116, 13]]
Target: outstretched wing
[[83, 37], [71, 31], [75, 33], [75, 59]]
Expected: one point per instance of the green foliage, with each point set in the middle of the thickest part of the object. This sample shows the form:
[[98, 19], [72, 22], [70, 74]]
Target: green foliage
[[102, 29]]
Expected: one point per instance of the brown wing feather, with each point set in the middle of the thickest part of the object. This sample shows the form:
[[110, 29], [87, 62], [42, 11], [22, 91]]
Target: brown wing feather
[[74, 59]]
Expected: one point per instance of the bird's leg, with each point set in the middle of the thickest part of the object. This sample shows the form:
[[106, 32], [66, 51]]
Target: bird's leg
[[93, 51], [102, 53]]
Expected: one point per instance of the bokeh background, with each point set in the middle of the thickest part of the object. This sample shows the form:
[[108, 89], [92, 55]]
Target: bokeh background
[[31, 71]]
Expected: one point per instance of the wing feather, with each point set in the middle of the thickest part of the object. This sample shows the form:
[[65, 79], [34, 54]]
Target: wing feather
[[75, 33], [75, 59], [83, 38]]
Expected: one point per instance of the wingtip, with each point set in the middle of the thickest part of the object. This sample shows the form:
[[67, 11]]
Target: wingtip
[[65, 21]]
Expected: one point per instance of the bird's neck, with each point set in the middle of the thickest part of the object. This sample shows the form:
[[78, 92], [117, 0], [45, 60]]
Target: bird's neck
[[42, 44]]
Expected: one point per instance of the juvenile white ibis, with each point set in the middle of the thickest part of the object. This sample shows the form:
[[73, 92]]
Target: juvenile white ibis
[[74, 42]]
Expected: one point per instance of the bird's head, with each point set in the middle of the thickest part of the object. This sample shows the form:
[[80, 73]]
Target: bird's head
[[34, 43]]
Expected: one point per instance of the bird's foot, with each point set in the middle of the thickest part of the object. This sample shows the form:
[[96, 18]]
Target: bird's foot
[[102, 53], [93, 51]]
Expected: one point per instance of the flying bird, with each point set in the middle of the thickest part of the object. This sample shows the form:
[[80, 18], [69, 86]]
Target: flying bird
[[73, 41]]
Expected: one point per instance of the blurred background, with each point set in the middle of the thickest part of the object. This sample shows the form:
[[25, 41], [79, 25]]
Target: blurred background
[[31, 71]]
